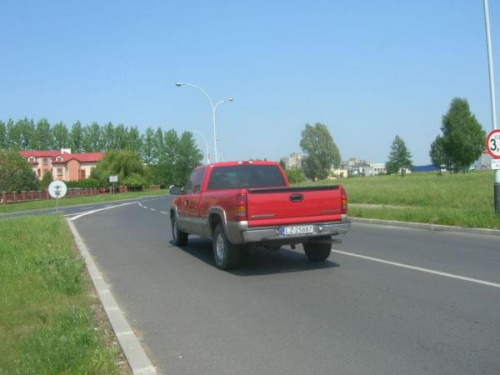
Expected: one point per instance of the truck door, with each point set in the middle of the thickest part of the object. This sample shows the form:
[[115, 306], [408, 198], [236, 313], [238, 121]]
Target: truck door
[[193, 207], [190, 202], [184, 206]]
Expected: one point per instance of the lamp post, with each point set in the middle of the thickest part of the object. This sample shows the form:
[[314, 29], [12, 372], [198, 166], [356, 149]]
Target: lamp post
[[214, 108], [206, 143], [496, 186]]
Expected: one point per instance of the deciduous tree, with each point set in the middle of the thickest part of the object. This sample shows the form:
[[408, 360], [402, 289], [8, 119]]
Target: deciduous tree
[[122, 163], [3, 136], [92, 138], [44, 139], [463, 136], [76, 136], [61, 136], [322, 154], [438, 155], [16, 173]]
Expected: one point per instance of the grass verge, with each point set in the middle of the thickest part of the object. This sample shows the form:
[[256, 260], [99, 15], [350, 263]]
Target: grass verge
[[464, 200], [49, 322], [74, 201]]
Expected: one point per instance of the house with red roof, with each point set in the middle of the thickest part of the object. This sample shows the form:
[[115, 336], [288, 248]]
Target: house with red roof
[[63, 165]]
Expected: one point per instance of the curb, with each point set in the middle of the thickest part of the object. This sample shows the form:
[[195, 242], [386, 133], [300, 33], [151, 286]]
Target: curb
[[138, 361], [434, 227]]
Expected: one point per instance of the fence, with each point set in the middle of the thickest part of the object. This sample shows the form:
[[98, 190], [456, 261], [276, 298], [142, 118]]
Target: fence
[[27, 196]]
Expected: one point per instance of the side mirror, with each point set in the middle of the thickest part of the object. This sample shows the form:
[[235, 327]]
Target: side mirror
[[176, 190]]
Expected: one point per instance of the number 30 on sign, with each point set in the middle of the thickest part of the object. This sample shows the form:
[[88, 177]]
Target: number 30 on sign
[[493, 143]]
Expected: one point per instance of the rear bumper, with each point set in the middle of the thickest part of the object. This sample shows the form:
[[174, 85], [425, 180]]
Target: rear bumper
[[240, 233]]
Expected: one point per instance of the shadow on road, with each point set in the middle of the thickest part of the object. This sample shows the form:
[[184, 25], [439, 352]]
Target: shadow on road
[[259, 261]]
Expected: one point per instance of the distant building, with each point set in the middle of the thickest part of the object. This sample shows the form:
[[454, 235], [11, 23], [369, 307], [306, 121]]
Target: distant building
[[338, 173], [294, 161], [483, 163], [425, 168], [375, 169], [360, 167], [63, 165]]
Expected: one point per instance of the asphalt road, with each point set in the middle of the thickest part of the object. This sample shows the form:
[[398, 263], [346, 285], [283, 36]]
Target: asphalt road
[[388, 301], [70, 210]]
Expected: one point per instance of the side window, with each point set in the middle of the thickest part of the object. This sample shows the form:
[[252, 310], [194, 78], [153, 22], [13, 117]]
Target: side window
[[189, 186], [198, 180]]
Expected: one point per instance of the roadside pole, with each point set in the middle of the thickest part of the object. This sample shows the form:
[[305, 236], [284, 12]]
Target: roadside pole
[[496, 185], [113, 179], [57, 190]]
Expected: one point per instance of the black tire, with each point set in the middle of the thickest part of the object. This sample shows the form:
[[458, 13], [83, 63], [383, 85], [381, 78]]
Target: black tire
[[317, 252], [179, 237], [226, 254]]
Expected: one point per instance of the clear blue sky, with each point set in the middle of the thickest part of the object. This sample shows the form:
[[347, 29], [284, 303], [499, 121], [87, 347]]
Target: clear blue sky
[[369, 70]]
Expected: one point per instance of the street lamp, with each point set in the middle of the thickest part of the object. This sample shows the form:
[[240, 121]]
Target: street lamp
[[214, 108], [496, 185], [206, 143]]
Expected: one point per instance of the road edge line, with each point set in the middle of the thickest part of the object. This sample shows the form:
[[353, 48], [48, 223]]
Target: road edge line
[[137, 358]]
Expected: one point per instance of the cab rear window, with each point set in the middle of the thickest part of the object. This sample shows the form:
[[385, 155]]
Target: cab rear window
[[246, 176]]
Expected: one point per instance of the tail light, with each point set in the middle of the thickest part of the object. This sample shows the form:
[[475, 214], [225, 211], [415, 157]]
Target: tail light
[[240, 211], [344, 200]]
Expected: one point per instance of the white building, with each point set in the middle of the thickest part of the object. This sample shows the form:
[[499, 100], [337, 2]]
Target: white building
[[294, 161]]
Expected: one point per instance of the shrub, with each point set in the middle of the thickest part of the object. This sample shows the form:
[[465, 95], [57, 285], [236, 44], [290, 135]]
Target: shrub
[[16, 173], [46, 180], [295, 176], [135, 181], [89, 183]]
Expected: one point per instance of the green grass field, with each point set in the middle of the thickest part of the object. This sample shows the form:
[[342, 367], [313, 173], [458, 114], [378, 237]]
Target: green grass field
[[449, 199], [50, 322], [74, 201]]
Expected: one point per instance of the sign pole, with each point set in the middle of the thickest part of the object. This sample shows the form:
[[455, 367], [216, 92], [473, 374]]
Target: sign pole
[[57, 190], [496, 185]]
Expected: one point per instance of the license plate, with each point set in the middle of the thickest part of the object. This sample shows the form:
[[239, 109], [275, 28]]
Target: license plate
[[298, 229]]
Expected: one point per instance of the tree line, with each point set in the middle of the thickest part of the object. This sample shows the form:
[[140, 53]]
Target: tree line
[[155, 157], [25, 134]]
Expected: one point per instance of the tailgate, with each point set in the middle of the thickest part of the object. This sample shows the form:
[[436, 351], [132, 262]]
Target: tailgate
[[294, 205]]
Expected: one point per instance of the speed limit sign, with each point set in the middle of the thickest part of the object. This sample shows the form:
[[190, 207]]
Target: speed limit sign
[[493, 143]]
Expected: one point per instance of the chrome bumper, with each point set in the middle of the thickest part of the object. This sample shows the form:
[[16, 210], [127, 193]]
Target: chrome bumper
[[240, 233]]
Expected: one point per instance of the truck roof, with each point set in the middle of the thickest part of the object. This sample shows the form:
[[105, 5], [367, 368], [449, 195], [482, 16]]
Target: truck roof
[[246, 162]]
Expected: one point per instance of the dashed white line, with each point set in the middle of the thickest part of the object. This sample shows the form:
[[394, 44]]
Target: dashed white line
[[152, 209], [439, 273], [164, 213]]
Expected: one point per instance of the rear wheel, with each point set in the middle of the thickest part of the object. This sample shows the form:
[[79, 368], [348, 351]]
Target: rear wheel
[[226, 254], [180, 238], [317, 252]]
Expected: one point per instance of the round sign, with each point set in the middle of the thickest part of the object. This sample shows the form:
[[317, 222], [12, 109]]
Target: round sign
[[493, 143], [57, 189]]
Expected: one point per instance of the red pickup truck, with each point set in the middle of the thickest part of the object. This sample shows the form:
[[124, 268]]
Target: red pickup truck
[[238, 204]]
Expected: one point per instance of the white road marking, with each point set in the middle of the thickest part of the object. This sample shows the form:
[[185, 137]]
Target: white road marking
[[152, 209], [439, 273], [164, 213], [102, 209]]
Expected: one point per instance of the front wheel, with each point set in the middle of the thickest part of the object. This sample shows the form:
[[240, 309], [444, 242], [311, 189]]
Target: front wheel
[[226, 254], [317, 252], [180, 238]]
